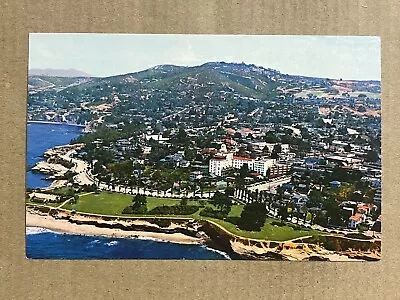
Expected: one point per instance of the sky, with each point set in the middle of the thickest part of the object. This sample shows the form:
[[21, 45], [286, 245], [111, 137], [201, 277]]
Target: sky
[[346, 57]]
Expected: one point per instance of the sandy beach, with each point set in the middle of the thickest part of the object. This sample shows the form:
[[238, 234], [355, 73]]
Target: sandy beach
[[96, 225], [63, 226]]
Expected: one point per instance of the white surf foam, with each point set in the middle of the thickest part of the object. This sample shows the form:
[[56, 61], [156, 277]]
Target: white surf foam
[[112, 243], [37, 230], [219, 252]]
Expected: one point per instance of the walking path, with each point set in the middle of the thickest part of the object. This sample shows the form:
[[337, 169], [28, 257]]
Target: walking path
[[66, 201]]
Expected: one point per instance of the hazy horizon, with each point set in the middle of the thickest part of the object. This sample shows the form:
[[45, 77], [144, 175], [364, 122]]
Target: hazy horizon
[[334, 57]]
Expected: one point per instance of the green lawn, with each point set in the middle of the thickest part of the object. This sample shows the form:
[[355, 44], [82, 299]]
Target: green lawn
[[305, 93], [236, 211], [113, 204], [268, 232], [368, 94]]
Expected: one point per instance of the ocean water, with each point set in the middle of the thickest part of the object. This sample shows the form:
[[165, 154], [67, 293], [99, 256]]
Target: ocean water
[[45, 244], [41, 137]]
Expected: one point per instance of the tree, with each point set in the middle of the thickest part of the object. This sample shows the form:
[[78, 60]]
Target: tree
[[361, 109], [184, 202], [244, 171], [181, 137], [222, 202], [372, 156], [270, 137], [276, 151], [253, 216], [319, 123], [283, 212], [229, 191], [69, 193], [237, 135], [139, 204], [347, 148], [75, 198], [333, 212], [190, 154]]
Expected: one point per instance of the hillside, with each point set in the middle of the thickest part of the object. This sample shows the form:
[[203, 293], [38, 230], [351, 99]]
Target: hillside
[[232, 78], [232, 87], [58, 73]]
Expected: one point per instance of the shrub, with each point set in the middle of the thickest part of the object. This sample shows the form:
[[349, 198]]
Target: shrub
[[213, 213], [44, 209], [174, 210], [162, 222], [359, 236], [127, 210], [132, 209]]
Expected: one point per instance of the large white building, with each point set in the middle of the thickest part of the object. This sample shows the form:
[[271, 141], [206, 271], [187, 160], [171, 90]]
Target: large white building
[[225, 160], [239, 161], [221, 161], [261, 166], [261, 145]]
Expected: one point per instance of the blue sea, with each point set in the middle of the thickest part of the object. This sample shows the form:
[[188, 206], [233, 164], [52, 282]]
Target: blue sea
[[45, 244]]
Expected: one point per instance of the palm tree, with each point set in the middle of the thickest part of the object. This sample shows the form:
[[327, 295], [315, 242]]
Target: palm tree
[[305, 210], [201, 189], [256, 195]]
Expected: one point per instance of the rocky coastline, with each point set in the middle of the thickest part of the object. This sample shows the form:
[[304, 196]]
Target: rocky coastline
[[58, 163], [325, 248]]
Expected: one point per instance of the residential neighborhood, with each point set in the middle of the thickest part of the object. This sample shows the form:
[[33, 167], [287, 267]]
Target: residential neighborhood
[[322, 147]]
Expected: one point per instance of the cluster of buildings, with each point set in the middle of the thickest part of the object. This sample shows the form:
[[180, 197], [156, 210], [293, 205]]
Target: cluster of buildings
[[360, 213], [305, 136]]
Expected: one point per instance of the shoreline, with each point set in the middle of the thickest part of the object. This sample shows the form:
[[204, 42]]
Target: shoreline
[[203, 233], [64, 226], [55, 123]]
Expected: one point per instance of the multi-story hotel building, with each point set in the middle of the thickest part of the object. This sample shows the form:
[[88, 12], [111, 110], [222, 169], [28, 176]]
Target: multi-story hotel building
[[225, 160]]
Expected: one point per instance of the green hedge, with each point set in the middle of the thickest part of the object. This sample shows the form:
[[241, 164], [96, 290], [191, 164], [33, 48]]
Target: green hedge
[[174, 210], [162, 222], [213, 213], [134, 210]]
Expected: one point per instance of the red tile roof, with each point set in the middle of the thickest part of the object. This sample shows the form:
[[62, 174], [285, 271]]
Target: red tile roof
[[242, 158], [219, 157], [356, 217]]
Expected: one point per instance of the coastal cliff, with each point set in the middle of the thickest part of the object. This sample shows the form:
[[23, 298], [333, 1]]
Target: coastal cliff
[[335, 248]]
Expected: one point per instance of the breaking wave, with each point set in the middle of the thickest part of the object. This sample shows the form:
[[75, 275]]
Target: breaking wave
[[37, 230]]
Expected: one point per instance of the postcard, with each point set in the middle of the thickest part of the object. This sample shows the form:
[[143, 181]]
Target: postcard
[[203, 147]]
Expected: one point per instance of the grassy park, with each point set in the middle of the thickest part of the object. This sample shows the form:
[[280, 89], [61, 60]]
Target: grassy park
[[107, 203]]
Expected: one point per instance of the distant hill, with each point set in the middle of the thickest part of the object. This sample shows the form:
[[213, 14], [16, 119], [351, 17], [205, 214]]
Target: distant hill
[[235, 80], [219, 77], [58, 73]]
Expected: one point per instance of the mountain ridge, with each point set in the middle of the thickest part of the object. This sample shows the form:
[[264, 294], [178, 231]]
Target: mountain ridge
[[57, 72], [246, 80]]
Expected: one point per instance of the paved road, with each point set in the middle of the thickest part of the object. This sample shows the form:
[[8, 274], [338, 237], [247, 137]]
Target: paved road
[[81, 167], [272, 184]]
